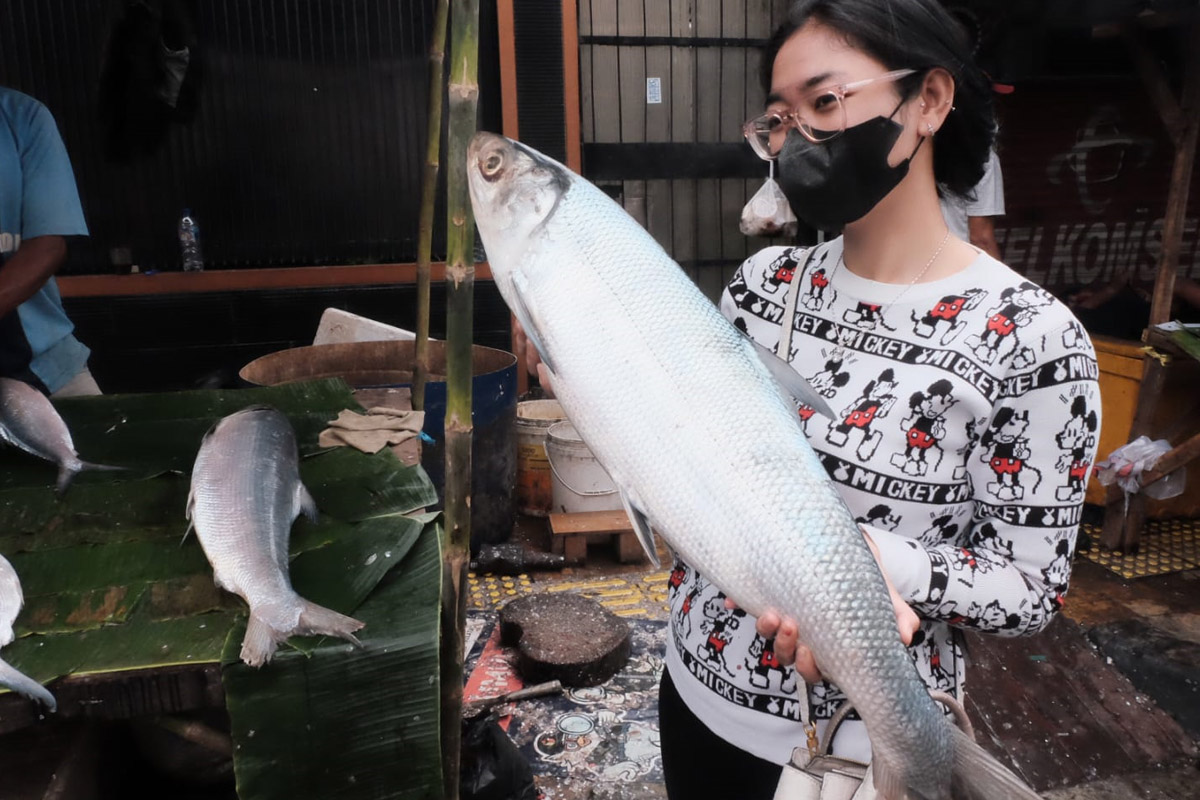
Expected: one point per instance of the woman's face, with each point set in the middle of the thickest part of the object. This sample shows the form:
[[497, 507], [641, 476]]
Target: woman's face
[[817, 57]]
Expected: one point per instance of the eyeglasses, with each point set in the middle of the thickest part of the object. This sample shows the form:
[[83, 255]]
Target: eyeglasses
[[819, 116]]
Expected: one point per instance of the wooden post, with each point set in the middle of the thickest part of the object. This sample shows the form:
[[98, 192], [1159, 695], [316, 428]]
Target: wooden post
[[460, 279], [1122, 529], [433, 144], [507, 33]]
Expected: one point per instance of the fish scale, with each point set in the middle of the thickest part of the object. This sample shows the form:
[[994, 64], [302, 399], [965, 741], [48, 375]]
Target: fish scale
[[693, 429]]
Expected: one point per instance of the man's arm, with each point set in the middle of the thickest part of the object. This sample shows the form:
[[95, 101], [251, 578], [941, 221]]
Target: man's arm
[[28, 269], [982, 234]]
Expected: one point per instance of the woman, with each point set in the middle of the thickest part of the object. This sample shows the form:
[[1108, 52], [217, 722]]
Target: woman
[[966, 409]]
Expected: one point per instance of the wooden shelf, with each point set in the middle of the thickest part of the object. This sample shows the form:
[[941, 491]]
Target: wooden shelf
[[230, 280]]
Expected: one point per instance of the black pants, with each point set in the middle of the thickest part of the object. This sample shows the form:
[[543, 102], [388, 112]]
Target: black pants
[[699, 765]]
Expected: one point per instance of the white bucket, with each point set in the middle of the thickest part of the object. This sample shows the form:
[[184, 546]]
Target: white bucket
[[578, 482], [534, 418]]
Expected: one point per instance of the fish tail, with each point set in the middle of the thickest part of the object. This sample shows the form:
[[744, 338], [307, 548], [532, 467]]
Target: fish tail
[[68, 471], [24, 685], [262, 638], [318, 620], [979, 776]]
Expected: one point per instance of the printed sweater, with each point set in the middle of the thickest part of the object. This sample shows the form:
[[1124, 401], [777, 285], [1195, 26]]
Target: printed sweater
[[967, 414]]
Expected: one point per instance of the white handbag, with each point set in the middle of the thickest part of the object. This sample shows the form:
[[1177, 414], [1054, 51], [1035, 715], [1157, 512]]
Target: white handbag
[[815, 774]]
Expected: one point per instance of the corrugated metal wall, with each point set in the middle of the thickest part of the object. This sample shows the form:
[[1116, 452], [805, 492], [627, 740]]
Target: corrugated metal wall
[[305, 148], [701, 57]]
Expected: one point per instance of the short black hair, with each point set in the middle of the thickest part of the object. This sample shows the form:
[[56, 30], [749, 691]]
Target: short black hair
[[921, 35]]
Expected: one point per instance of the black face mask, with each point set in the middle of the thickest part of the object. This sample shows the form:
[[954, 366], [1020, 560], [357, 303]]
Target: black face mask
[[838, 181]]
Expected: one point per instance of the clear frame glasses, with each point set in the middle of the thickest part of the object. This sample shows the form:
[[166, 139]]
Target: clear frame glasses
[[819, 116]]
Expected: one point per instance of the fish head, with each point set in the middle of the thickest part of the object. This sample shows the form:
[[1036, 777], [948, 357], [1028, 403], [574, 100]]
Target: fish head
[[514, 192]]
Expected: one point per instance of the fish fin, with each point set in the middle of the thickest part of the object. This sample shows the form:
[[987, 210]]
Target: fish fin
[[22, 684], [318, 620], [793, 382], [261, 640], [191, 526], [979, 776], [521, 312], [66, 474], [305, 504], [889, 783], [641, 527]]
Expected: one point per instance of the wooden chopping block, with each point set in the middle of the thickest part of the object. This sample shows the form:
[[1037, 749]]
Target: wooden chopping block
[[564, 637]]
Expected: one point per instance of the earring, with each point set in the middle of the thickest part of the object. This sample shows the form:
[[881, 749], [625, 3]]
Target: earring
[[929, 125]]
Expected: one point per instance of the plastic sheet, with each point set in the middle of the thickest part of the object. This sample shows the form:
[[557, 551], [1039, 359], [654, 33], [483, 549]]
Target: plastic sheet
[[1127, 463]]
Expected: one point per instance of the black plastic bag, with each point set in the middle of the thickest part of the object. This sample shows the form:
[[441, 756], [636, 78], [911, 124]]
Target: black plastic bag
[[492, 766]]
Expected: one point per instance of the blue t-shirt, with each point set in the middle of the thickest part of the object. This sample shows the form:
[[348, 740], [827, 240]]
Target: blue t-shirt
[[37, 198]]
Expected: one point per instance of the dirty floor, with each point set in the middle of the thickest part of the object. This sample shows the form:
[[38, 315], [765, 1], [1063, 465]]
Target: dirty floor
[[1104, 704]]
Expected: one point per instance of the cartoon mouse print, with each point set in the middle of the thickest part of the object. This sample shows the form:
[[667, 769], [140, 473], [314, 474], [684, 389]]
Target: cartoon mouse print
[[1058, 572], [780, 272], [942, 530], [926, 426], [945, 315], [763, 665], [719, 625], [1076, 439], [825, 382], [999, 341], [986, 537], [1006, 451], [880, 516], [875, 401], [866, 316]]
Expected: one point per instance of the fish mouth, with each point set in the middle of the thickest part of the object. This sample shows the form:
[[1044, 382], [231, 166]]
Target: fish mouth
[[490, 154]]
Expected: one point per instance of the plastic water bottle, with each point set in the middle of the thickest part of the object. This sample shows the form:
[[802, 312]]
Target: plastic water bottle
[[189, 243]]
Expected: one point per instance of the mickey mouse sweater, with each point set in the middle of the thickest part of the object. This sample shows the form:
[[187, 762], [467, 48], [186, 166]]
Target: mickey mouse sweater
[[967, 412]]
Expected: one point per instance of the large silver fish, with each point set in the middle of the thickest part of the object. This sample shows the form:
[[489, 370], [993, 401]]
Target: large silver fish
[[245, 495], [29, 421], [693, 427], [11, 600]]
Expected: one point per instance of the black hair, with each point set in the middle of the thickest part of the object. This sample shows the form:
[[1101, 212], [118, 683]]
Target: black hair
[[921, 35]]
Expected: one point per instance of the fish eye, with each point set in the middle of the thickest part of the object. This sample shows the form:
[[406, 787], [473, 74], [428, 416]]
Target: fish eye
[[492, 164]]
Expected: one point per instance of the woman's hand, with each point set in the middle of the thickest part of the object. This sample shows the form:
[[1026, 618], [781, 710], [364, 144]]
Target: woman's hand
[[789, 650], [524, 349]]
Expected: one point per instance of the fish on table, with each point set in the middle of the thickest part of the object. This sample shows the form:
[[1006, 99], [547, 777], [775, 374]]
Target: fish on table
[[245, 494], [694, 423], [28, 420], [11, 600]]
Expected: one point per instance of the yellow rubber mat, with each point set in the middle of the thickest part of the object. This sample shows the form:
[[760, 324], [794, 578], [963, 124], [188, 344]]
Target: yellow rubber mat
[[634, 595], [1166, 546]]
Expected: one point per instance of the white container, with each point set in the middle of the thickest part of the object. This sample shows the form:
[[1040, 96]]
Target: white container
[[534, 418], [578, 482]]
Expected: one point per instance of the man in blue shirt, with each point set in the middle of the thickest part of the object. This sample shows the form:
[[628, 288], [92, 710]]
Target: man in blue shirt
[[39, 207]]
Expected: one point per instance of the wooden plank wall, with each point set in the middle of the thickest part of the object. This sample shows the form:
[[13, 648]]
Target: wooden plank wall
[[707, 92]]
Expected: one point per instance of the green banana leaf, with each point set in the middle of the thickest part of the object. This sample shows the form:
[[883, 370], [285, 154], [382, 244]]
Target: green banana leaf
[[113, 582]]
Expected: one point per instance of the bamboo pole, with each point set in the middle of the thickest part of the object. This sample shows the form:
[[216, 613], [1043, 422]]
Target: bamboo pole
[[460, 279], [433, 143]]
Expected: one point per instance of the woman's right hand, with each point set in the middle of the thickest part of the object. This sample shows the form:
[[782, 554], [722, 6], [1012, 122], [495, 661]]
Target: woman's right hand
[[523, 348]]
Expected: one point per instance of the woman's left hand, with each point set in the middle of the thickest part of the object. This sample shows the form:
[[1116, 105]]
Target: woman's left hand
[[790, 650]]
